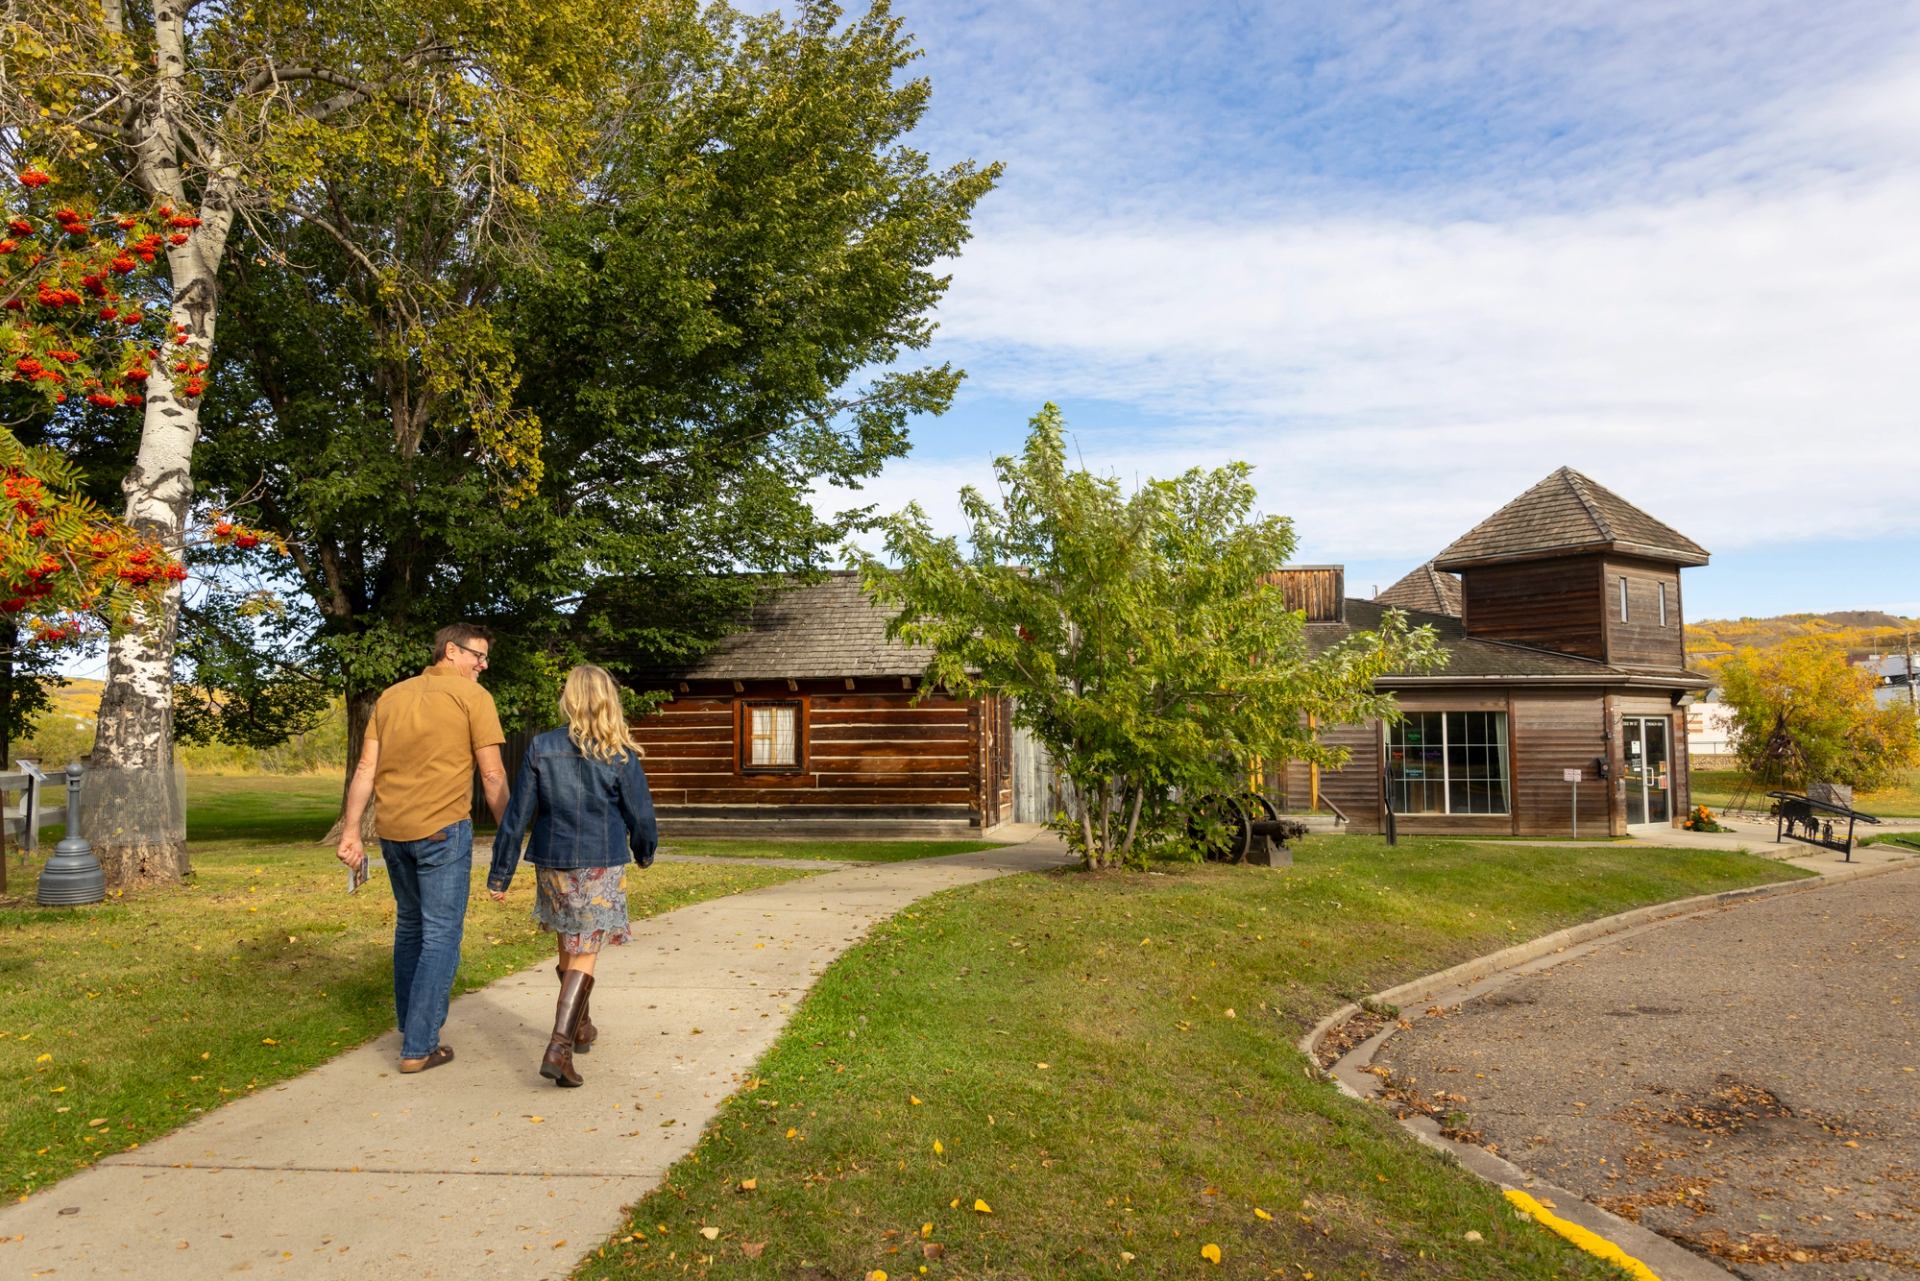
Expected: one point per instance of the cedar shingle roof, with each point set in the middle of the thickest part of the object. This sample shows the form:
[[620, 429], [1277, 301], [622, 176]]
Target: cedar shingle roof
[[1427, 589], [1470, 658], [1564, 513], [810, 631]]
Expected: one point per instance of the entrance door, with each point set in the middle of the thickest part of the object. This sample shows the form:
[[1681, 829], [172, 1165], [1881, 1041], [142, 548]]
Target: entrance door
[[1649, 774]]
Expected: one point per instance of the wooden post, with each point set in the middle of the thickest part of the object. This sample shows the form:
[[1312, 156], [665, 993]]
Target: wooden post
[[1913, 688], [1313, 769]]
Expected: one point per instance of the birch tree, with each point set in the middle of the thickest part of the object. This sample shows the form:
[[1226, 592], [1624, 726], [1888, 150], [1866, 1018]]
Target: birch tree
[[226, 113]]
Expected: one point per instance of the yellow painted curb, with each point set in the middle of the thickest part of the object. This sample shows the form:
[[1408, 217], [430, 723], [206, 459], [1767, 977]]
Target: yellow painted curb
[[1591, 1242]]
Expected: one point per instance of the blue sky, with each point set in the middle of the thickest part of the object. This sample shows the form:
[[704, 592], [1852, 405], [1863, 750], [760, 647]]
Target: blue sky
[[1407, 259]]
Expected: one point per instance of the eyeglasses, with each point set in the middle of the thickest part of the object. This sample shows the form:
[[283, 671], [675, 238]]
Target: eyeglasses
[[480, 655]]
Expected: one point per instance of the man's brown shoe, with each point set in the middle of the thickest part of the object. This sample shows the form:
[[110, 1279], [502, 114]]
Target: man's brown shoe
[[444, 1054]]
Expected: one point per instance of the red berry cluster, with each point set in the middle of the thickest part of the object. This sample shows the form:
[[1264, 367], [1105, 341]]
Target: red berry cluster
[[245, 537], [62, 561], [65, 270]]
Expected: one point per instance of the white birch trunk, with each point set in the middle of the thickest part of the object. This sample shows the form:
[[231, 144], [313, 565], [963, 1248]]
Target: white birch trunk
[[132, 809]]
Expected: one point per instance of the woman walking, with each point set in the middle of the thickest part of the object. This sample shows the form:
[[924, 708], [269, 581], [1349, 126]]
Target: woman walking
[[584, 793]]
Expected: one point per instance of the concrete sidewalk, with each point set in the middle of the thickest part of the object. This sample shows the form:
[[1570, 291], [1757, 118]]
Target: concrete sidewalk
[[1757, 837], [481, 1169]]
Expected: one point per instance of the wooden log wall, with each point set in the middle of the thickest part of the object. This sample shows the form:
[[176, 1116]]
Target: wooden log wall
[[1641, 641], [1555, 604], [1355, 788], [859, 749], [1550, 732], [1318, 591]]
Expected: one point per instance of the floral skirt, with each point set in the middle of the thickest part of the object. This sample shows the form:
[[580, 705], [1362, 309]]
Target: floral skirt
[[585, 906]]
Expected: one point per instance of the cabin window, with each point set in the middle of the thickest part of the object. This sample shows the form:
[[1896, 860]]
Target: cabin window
[[1623, 598], [1663, 604], [1448, 763], [770, 736]]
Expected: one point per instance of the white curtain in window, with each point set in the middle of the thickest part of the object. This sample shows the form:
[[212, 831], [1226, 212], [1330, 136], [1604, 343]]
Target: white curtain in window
[[774, 735]]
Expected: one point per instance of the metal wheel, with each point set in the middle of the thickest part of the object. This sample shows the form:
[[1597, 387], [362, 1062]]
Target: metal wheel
[[1229, 813]]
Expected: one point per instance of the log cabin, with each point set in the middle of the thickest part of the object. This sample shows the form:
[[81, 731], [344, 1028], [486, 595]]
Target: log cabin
[[1560, 617], [805, 723]]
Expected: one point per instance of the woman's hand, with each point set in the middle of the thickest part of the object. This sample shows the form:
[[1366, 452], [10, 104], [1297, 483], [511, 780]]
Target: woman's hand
[[498, 896]]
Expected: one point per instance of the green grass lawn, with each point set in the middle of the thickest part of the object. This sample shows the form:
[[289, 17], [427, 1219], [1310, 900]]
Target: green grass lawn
[[121, 1021], [1718, 788], [1107, 1062], [302, 807]]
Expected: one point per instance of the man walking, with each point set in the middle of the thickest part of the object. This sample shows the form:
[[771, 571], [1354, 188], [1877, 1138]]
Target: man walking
[[427, 736]]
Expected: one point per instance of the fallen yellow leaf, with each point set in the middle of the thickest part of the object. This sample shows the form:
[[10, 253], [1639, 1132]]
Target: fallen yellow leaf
[[981, 1207], [267, 1040], [876, 1275], [58, 1089], [535, 1120], [1211, 1253], [792, 1133], [748, 1185], [937, 1149], [1258, 1213], [1231, 1014], [1126, 1256], [1041, 1066], [710, 1233], [951, 1205], [911, 1099], [926, 1229], [44, 1058]]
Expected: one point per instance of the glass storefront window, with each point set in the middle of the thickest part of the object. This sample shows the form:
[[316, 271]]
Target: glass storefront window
[[1448, 763]]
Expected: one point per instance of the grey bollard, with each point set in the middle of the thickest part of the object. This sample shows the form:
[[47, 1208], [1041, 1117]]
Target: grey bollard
[[73, 875]]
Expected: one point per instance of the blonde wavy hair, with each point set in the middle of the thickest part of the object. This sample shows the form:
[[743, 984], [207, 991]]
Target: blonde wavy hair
[[595, 720]]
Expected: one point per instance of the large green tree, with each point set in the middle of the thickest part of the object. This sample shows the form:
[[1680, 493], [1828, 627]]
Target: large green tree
[[648, 395], [235, 114], [1143, 635]]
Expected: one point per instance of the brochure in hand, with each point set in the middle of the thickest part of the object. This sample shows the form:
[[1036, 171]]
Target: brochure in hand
[[358, 876]]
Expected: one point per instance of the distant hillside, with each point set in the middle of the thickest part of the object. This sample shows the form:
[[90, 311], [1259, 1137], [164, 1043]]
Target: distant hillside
[[1859, 631], [79, 698]]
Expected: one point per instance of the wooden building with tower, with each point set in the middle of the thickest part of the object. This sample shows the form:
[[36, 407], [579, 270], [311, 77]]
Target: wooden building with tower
[[1565, 684], [805, 722]]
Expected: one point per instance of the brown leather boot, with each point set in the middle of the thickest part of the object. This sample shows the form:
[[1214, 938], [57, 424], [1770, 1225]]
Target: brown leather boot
[[583, 1039], [557, 1064]]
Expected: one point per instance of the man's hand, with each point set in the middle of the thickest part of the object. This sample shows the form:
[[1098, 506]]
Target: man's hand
[[359, 792]]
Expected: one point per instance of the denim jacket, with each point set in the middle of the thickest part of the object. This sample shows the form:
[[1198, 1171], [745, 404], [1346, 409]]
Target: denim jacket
[[584, 813]]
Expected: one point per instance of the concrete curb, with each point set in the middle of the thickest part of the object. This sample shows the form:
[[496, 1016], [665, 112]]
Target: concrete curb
[[1472, 979]]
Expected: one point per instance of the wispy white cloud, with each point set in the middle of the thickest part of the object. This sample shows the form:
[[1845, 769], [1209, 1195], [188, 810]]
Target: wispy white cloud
[[1709, 309]]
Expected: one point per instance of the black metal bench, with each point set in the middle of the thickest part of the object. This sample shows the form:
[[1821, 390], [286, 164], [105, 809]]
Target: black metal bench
[[1801, 818]]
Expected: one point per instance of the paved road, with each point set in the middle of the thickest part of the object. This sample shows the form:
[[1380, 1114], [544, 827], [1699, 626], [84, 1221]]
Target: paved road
[[1745, 1081], [480, 1170]]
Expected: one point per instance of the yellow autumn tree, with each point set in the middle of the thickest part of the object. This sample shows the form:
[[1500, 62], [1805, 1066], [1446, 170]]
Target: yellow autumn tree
[[1803, 714]]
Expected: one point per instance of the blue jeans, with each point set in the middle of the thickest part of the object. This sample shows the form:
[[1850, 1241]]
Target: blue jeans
[[431, 878]]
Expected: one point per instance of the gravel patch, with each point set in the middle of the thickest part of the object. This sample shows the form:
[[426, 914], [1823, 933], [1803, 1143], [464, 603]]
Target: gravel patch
[[1745, 1081]]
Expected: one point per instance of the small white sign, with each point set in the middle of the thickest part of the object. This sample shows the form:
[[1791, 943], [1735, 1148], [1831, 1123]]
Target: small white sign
[[1571, 775]]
